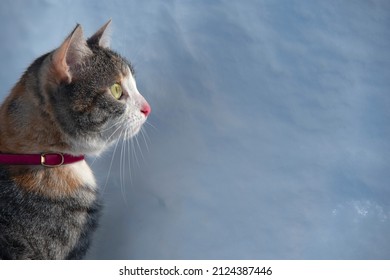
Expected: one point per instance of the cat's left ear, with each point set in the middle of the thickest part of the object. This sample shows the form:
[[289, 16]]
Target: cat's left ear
[[101, 37]]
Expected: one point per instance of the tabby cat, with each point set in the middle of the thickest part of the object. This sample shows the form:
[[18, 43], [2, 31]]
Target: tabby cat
[[74, 101]]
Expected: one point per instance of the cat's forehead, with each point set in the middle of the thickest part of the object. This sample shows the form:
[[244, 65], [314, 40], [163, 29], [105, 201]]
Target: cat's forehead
[[106, 67], [119, 59], [124, 66], [127, 70], [126, 74]]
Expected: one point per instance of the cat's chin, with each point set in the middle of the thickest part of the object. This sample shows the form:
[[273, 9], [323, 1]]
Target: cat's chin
[[96, 144], [90, 146], [97, 147], [133, 132]]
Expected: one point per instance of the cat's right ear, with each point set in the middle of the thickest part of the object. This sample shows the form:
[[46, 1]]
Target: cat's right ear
[[72, 52]]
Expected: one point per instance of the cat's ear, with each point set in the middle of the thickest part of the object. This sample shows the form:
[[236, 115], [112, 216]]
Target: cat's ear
[[72, 52], [101, 37]]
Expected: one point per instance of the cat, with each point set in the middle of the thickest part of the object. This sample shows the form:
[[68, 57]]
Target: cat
[[76, 100]]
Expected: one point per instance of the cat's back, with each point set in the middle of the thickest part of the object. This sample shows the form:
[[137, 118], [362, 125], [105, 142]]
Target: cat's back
[[34, 226]]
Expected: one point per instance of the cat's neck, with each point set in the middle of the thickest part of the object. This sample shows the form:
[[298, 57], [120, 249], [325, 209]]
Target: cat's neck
[[27, 127], [58, 182]]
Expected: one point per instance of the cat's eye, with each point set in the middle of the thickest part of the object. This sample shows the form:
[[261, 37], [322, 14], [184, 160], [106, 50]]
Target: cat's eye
[[116, 90]]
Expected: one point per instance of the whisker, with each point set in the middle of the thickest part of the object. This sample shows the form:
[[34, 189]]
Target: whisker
[[122, 168], [93, 161], [143, 133], [148, 123], [139, 147], [112, 160], [108, 139], [128, 149], [129, 161], [134, 151], [115, 124], [112, 134]]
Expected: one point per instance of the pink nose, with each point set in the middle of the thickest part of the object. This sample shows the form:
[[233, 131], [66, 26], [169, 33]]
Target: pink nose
[[146, 109]]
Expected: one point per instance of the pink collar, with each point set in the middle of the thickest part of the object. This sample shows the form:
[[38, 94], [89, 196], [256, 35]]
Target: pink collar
[[44, 159]]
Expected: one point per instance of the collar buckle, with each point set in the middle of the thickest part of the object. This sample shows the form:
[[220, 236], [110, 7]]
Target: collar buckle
[[44, 159]]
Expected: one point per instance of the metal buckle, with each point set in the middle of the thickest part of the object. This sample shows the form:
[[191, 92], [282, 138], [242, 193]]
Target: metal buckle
[[43, 159]]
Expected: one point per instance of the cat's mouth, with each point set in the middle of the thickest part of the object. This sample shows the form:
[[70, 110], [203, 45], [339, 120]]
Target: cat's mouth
[[134, 128], [124, 129]]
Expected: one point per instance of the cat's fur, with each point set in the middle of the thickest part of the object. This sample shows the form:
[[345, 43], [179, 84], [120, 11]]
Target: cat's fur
[[62, 104]]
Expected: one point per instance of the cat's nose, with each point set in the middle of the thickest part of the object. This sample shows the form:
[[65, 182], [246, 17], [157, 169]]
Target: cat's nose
[[146, 109]]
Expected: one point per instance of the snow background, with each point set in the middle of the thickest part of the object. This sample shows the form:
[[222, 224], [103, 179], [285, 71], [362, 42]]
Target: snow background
[[269, 136]]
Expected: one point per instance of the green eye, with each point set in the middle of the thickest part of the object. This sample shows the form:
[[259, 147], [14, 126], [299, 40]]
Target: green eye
[[116, 90]]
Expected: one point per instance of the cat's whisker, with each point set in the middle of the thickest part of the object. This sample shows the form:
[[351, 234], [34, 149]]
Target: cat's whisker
[[148, 123], [115, 124], [112, 134], [129, 159], [133, 151], [112, 160], [122, 163], [139, 147], [108, 139], [127, 155], [143, 133], [93, 161]]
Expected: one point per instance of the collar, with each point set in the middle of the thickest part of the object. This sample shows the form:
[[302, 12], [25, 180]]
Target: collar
[[44, 159]]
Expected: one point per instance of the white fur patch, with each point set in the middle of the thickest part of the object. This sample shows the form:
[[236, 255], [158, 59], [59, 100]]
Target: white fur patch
[[83, 173], [135, 103], [130, 86], [91, 146]]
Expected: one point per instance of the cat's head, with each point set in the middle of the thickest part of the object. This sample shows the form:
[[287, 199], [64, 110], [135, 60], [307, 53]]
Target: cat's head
[[88, 91]]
